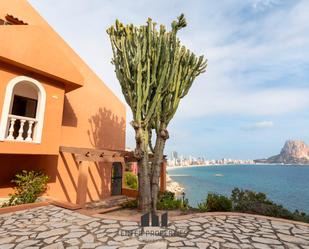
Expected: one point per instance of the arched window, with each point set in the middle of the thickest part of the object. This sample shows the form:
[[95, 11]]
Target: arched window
[[23, 111]]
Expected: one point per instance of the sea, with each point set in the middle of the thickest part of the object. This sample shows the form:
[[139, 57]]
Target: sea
[[287, 185]]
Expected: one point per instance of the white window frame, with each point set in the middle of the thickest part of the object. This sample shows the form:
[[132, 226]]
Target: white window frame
[[37, 136]]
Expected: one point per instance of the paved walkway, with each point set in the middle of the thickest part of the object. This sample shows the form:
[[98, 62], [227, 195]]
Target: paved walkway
[[54, 227]]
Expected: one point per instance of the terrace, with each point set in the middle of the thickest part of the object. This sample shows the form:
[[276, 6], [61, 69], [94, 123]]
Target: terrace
[[54, 227]]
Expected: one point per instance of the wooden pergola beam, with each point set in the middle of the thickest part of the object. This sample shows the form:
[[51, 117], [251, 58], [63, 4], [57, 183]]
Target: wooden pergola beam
[[86, 155], [90, 154], [104, 159]]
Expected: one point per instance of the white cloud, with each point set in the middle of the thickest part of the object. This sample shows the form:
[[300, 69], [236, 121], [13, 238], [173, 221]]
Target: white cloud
[[264, 4], [243, 54], [244, 102], [260, 125], [258, 60], [256, 67]]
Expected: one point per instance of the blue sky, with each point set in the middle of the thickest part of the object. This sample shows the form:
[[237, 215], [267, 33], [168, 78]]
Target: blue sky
[[255, 93]]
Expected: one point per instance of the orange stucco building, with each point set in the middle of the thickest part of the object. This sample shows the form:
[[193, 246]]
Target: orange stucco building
[[50, 98]]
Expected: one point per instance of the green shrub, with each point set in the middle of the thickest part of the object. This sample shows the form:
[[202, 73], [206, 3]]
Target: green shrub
[[29, 186], [246, 201], [130, 204], [242, 197], [166, 195], [131, 180], [185, 205], [215, 203], [167, 201], [202, 207], [257, 203], [253, 202]]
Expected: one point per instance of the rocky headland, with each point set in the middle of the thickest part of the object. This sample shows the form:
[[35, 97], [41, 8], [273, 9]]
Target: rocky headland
[[293, 152], [173, 186]]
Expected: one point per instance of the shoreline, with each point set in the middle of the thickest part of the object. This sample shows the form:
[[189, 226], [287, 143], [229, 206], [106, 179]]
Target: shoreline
[[189, 166], [174, 186], [255, 164], [209, 165], [178, 189]]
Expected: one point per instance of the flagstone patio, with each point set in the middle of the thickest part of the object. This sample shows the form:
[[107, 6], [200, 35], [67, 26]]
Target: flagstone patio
[[54, 227]]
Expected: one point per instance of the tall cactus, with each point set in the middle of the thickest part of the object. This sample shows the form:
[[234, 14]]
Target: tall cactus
[[155, 71]]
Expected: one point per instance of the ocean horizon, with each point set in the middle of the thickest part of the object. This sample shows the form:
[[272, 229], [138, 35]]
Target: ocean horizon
[[287, 185]]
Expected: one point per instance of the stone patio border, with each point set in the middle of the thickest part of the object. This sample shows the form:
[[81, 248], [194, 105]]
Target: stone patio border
[[198, 215], [22, 207]]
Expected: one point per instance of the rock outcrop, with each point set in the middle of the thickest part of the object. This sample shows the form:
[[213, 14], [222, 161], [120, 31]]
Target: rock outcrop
[[293, 152]]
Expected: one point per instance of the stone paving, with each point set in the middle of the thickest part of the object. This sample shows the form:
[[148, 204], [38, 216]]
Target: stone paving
[[53, 227]]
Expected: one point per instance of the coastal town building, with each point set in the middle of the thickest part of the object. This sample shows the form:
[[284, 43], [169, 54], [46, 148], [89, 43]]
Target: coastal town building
[[189, 161]]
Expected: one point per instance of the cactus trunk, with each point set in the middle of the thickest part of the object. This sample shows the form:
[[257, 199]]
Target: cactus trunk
[[144, 190], [156, 171]]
